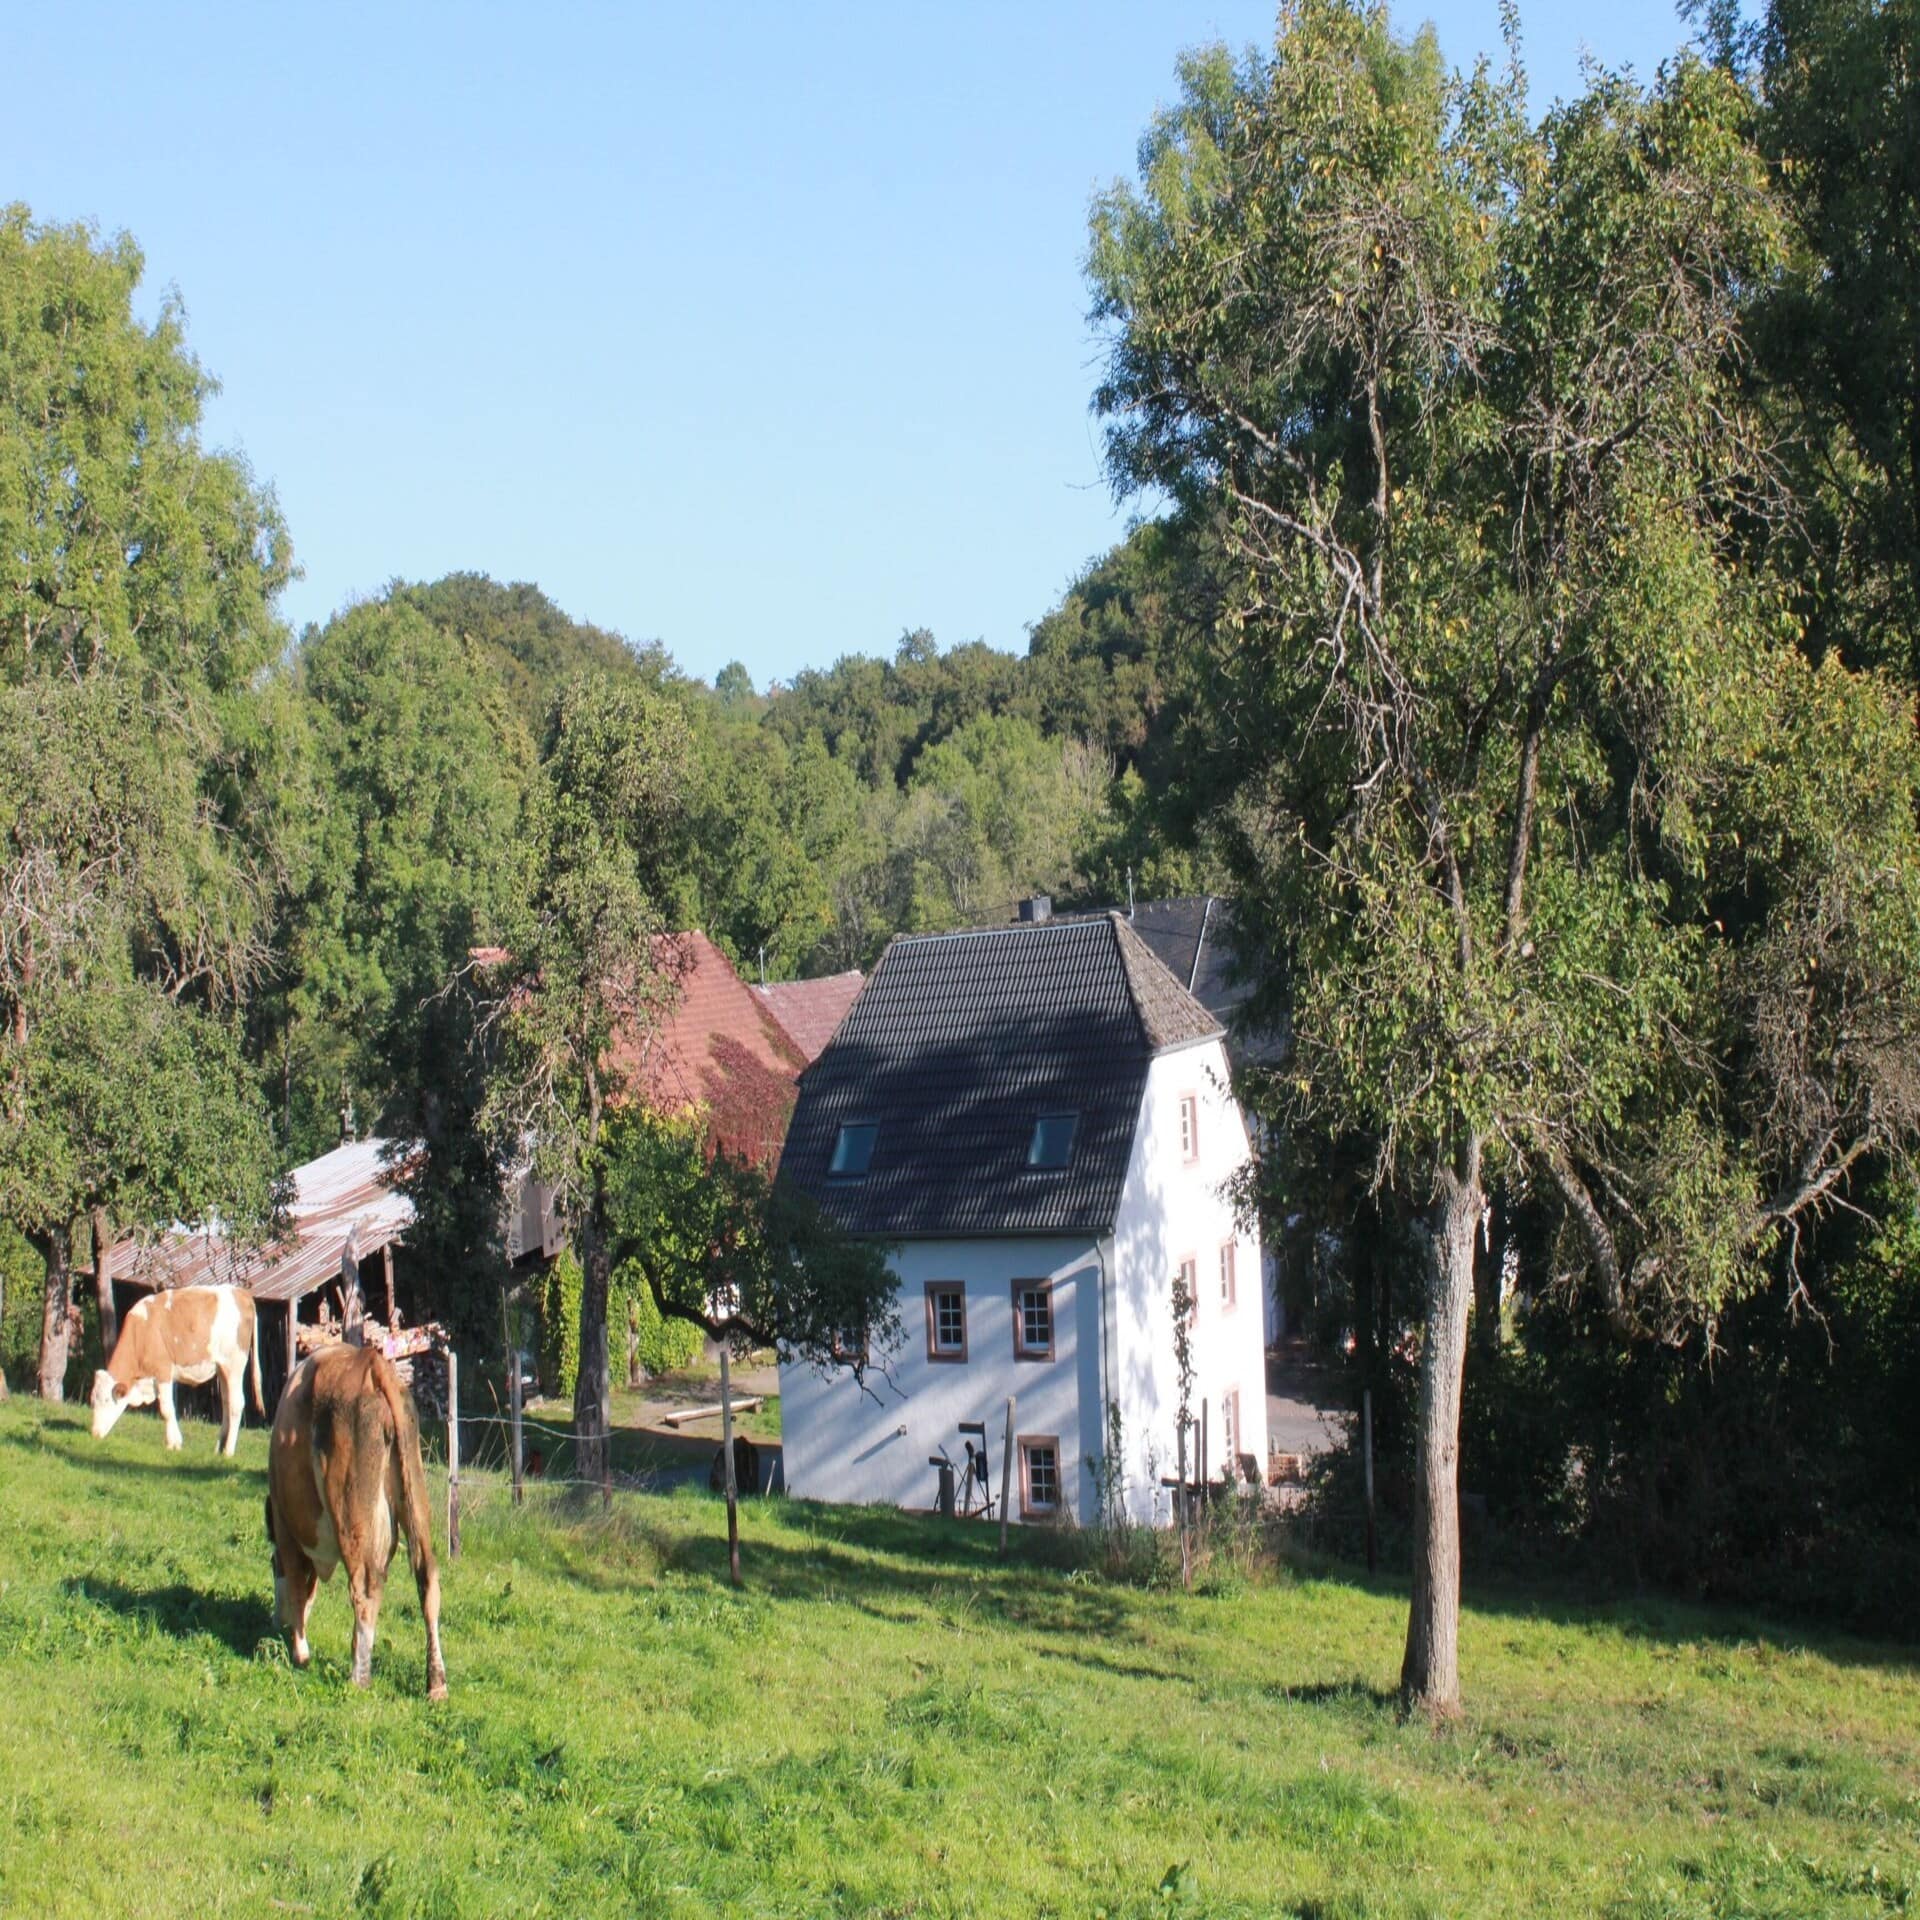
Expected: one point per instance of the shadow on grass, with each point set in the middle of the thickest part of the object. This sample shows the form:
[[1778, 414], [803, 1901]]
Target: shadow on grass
[[78, 1448], [1554, 1598], [886, 1565], [181, 1612]]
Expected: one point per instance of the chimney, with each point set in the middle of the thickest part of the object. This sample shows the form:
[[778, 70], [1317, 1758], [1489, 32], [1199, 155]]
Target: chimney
[[1039, 907]]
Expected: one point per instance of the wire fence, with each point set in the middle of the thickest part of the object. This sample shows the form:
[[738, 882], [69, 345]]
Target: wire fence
[[471, 1467]]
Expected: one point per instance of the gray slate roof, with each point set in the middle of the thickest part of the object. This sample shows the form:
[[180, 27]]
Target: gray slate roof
[[1194, 938], [957, 1045]]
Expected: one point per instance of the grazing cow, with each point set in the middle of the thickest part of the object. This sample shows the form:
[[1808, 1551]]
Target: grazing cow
[[343, 1475], [184, 1333]]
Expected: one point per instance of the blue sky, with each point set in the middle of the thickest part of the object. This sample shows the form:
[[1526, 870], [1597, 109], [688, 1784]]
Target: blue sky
[[759, 330]]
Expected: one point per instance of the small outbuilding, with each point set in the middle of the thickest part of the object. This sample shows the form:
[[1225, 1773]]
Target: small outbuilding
[[346, 1212]]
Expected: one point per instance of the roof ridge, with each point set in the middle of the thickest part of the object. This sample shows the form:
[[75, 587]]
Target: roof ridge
[[1058, 924], [1169, 1015]]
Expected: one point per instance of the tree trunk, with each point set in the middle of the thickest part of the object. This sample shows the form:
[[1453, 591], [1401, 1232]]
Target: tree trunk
[[1489, 1268], [1430, 1674], [593, 1387], [726, 1447], [103, 1282], [56, 1319]]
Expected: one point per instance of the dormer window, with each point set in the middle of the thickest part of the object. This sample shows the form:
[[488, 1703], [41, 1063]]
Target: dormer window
[[1052, 1144], [852, 1149]]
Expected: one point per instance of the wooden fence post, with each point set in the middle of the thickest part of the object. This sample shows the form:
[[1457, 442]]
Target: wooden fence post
[[726, 1449], [1366, 1448], [1180, 1510], [453, 1455], [1006, 1475], [514, 1391]]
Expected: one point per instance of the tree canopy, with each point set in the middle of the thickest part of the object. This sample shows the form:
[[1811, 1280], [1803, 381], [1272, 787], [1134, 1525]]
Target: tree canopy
[[1517, 764]]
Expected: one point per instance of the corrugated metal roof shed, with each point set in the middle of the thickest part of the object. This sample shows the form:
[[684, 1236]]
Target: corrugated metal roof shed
[[345, 1198]]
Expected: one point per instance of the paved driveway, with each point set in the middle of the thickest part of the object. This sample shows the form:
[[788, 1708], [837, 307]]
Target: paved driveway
[[1305, 1413]]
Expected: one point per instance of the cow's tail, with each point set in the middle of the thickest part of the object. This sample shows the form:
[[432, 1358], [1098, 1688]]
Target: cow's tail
[[416, 1516], [253, 1357]]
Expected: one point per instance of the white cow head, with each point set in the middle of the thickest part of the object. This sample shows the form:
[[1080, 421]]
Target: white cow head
[[110, 1400]]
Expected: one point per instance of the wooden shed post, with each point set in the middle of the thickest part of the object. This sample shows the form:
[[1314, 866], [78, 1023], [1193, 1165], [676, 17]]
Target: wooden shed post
[[293, 1338], [386, 1257], [353, 1308]]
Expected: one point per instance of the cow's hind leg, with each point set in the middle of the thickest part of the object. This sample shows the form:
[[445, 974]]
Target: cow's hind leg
[[427, 1578], [295, 1582], [365, 1586], [163, 1393], [232, 1380]]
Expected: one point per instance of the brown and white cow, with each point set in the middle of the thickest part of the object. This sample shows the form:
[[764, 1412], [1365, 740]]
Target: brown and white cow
[[187, 1334], [344, 1474]]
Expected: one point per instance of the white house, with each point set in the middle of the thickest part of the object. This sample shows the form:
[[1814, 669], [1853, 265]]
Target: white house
[[1037, 1120]]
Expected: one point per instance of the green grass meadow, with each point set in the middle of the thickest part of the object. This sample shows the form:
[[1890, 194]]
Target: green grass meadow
[[890, 1720]]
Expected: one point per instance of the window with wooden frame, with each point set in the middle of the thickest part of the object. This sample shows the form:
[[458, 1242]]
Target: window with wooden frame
[[1039, 1476], [1189, 1127], [1229, 1284], [946, 1320], [1230, 1435], [851, 1349], [1187, 1274], [1033, 1319]]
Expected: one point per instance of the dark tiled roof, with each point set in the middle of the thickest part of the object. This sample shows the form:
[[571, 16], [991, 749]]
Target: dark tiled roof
[[1194, 939], [810, 1011], [957, 1045]]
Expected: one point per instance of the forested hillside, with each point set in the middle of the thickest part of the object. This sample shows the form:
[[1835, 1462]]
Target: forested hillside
[[884, 794]]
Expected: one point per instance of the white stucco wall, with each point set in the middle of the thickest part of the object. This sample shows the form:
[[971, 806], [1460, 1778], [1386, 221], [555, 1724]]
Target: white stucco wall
[[844, 1444], [840, 1443], [1171, 1210]]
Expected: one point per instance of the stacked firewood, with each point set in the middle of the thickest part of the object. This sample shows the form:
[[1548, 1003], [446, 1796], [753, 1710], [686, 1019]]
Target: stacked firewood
[[418, 1354]]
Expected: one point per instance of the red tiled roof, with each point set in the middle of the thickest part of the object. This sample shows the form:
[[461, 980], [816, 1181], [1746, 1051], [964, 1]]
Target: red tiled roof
[[720, 1051], [811, 1010]]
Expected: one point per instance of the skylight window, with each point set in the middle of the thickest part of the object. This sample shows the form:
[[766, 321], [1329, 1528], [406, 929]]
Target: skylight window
[[852, 1150], [1052, 1145]]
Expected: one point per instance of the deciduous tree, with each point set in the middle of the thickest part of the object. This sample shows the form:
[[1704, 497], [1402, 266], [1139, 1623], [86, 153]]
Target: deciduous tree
[[585, 970], [723, 1246], [1558, 845]]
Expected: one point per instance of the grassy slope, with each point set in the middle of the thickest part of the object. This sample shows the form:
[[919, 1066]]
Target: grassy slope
[[890, 1721]]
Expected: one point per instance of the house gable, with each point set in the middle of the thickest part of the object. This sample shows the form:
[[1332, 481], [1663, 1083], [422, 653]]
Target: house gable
[[957, 1049]]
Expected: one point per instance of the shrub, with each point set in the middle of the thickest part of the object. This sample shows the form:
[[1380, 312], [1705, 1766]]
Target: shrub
[[666, 1346], [560, 1326], [24, 1279]]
